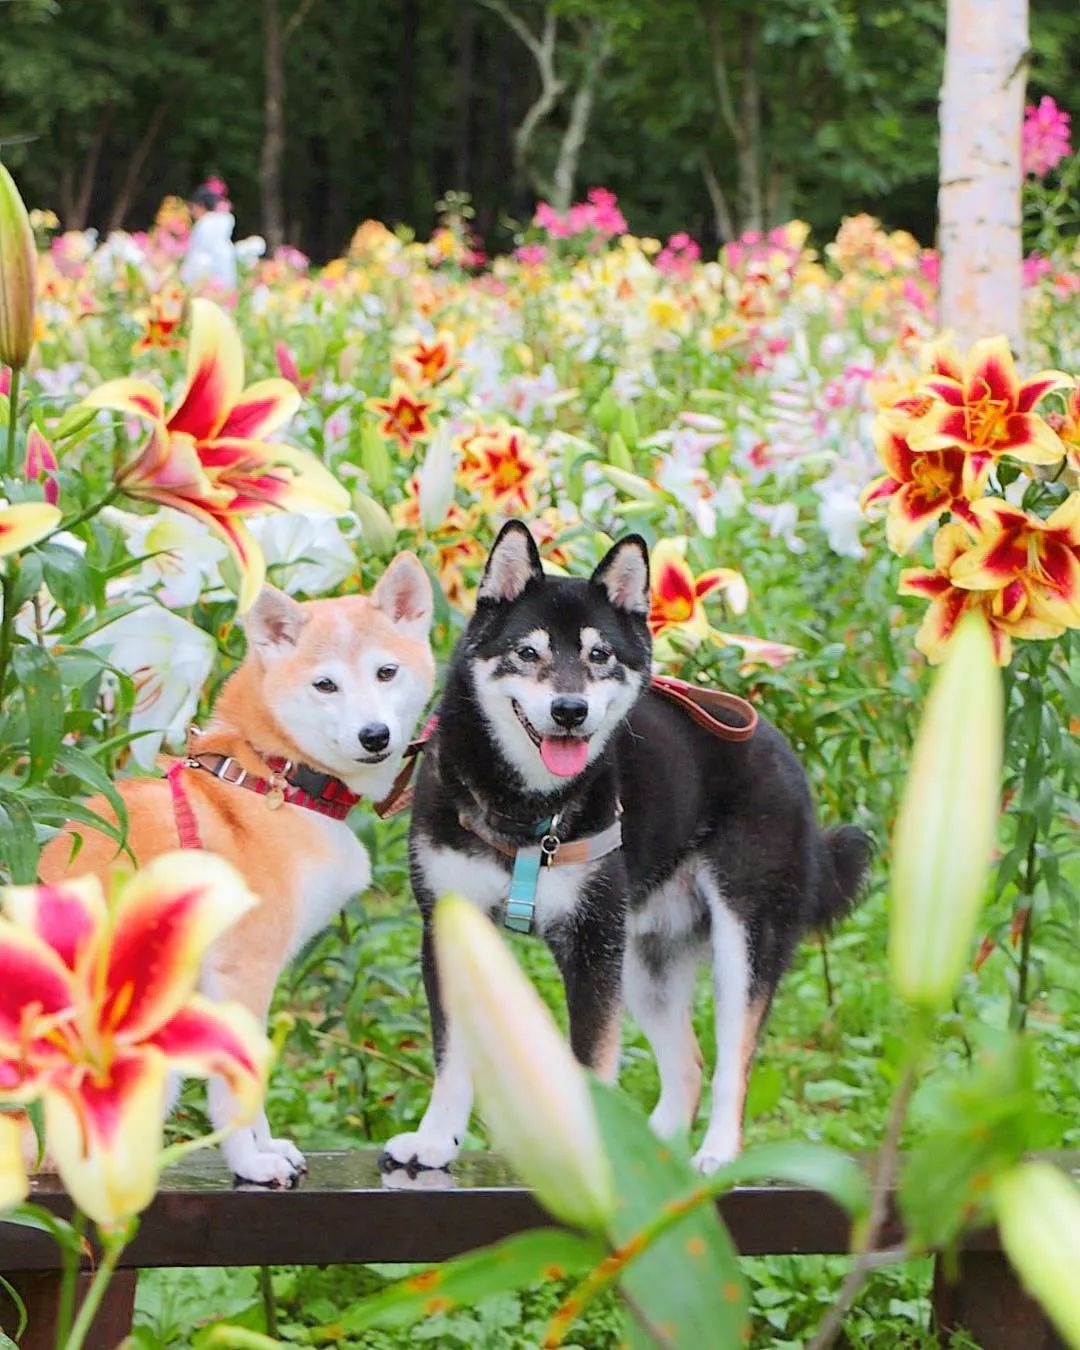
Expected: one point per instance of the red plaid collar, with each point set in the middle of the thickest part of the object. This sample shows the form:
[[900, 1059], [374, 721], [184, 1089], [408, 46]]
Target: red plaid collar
[[293, 783]]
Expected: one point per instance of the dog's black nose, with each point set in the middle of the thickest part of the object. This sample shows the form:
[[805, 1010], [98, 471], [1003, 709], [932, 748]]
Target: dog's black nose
[[569, 712], [375, 737]]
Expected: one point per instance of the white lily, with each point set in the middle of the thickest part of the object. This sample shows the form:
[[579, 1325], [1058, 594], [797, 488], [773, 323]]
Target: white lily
[[436, 480], [169, 660], [533, 1092], [185, 555], [308, 553]]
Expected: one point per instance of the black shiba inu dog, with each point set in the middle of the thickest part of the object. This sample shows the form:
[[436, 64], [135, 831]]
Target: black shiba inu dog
[[548, 730]]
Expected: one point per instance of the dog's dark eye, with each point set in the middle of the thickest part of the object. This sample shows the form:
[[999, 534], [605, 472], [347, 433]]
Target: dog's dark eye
[[529, 654], [600, 654], [386, 673], [325, 685]]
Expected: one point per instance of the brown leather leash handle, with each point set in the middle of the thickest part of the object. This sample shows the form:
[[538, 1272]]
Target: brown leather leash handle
[[700, 703]]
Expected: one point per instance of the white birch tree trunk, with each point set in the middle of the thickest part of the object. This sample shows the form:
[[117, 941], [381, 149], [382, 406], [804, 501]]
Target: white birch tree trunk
[[979, 211]]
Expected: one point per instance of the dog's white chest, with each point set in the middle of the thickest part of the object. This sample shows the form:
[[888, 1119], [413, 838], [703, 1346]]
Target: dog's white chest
[[327, 883], [487, 883]]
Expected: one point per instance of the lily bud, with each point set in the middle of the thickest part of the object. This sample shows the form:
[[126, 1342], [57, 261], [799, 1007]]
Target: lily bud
[[13, 1184], [436, 482], [41, 465], [375, 524], [18, 276], [375, 459], [1038, 1215], [945, 831], [533, 1093], [618, 453], [632, 484]]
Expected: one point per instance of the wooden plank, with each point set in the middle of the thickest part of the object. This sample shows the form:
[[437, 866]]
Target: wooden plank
[[40, 1290], [345, 1211], [987, 1301]]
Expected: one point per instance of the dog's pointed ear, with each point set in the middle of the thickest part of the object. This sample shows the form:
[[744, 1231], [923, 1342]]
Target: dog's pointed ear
[[274, 623], [624, 574], [404, 595], [514, 561]]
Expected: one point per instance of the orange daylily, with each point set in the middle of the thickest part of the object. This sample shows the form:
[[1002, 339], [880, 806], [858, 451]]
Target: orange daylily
[[677, 605], [988, 412], [427, 363], [24, 524], [498, 462], [1007, 609], [209, 457], [97, 1008], [1043, 556], [405, 417], [918, 488]]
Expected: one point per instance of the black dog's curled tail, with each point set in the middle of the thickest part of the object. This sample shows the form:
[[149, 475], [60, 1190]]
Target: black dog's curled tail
[[848, 853]]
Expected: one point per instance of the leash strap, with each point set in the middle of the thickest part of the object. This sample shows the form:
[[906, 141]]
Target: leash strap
[[187, 827], [400, 796], [701, 704]]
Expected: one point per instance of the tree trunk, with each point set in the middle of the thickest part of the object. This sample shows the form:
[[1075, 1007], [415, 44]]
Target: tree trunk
[[573, 138], [406, 109], [551, 87], [80, 206], [273, 145], [748, 146], [136, 164], [979, 208], [725, 225], [466, 33]]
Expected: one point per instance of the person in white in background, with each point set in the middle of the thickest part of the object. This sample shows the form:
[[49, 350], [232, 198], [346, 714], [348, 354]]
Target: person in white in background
[[211, 257]]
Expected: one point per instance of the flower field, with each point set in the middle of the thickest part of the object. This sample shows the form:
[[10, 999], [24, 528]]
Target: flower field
[[779, 422]]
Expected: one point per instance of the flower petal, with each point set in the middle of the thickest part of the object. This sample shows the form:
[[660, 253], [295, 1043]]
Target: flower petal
[[1030, 439], [911, 511], [893, 450], [14, 1186], [25, 523], [167, 465], [672, 584], [33, 982], [262, 474], [136, 398], [64, 916], [990, 371], [261, 409], [215, 377], [718, 579], [939, 623], [205, 1039], [167, 916], [1045, 382], [105, 1134]]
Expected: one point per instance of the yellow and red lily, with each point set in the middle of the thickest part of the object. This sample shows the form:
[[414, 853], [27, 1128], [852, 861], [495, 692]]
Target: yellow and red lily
[[426, 364], [97, 1008], [1014, 548], [677, 605], [1007, 609], [1067, 426], [987, 412], [24, 524], [14, 1185], [161, 321], [405, 416], [210, 456], [917, 487], [499, 463]]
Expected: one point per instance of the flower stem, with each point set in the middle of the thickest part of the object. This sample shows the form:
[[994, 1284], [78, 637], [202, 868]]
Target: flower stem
[[8, 582], [66, 1305], [88, 514], [114, 1244], [13, 404]]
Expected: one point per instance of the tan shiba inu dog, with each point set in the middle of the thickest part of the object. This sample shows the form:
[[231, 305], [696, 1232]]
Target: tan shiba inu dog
[[321, 711]]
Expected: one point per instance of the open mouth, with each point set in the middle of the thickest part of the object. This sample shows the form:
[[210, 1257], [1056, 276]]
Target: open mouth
[[564, 756]]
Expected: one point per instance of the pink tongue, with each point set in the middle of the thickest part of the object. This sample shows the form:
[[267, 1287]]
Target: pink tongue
[[564, 756]]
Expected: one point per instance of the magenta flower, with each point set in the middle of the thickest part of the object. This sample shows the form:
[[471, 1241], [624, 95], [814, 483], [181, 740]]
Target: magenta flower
[[1046, 137]]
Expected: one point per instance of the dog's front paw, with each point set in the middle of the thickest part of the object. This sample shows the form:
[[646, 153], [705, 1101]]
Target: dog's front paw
[[418, 1151], [263, 1167], [286, 1149], [711, 1157]]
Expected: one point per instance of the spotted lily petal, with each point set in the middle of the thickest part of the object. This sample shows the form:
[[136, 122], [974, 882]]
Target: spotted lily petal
[[261, 475], [135, 398], [24, 524], [34, 983], [14, 1186], [105, 1134], [205, 1039], [261, 409], [176, 909], [215, 373], [65, 916]]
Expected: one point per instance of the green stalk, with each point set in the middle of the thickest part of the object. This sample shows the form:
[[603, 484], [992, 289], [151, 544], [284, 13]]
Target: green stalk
[[87, 514], [114, 1244], [13, 401], [65, 1311], [7, 618]]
